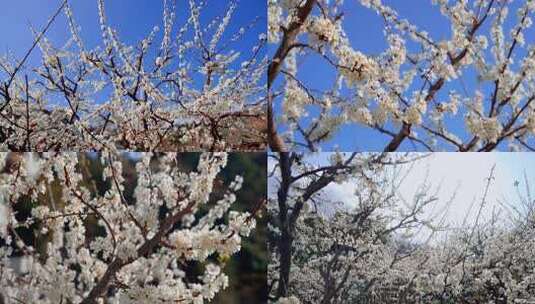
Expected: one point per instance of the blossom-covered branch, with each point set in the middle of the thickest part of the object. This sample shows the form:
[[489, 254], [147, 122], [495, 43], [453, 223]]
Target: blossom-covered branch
[[414, 92], [296, 186], [158, 242], [379, 247], [182, 88]]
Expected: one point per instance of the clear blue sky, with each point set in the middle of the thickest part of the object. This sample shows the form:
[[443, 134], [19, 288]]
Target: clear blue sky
[[134, 19], [365, 30]]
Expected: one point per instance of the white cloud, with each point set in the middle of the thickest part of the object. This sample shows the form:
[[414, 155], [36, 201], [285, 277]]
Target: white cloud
[[462, 174]]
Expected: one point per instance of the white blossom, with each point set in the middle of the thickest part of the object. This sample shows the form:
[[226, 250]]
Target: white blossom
[[398, 91], [117, 96], [146, 241]]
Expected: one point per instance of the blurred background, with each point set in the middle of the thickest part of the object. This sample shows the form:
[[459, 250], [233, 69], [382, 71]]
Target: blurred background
[[247, 269]]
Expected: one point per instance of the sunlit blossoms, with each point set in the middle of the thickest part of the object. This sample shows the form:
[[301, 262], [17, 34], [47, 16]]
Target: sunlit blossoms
[[401, 92], [191, 85], [162, 240]]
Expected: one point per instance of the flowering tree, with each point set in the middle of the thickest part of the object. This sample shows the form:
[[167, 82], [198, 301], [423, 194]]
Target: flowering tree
[[165, 241], [183, 90], [414, 90], [296, 188], [385, 250]]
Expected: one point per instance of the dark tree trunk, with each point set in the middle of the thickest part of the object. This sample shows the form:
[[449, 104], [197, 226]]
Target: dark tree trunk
[[285, 240]]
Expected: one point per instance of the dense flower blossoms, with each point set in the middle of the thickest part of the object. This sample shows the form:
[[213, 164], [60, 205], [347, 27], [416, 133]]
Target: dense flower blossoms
[[182, 88], [329, 243], [382, 247], [334, 256], [415, 88], [147, 239]]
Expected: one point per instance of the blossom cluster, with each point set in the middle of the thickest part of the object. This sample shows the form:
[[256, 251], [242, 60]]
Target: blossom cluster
[[197, 94], [117, 245], [402, 91], [381, 246]]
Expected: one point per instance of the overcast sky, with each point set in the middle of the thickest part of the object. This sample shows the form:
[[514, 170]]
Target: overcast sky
[[462, 174]]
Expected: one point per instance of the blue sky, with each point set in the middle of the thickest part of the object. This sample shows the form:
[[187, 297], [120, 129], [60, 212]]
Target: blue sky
[[133, 19], [365, 30]]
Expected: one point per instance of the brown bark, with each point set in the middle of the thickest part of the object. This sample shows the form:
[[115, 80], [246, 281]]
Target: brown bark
[[147, 248], [289, 35]]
